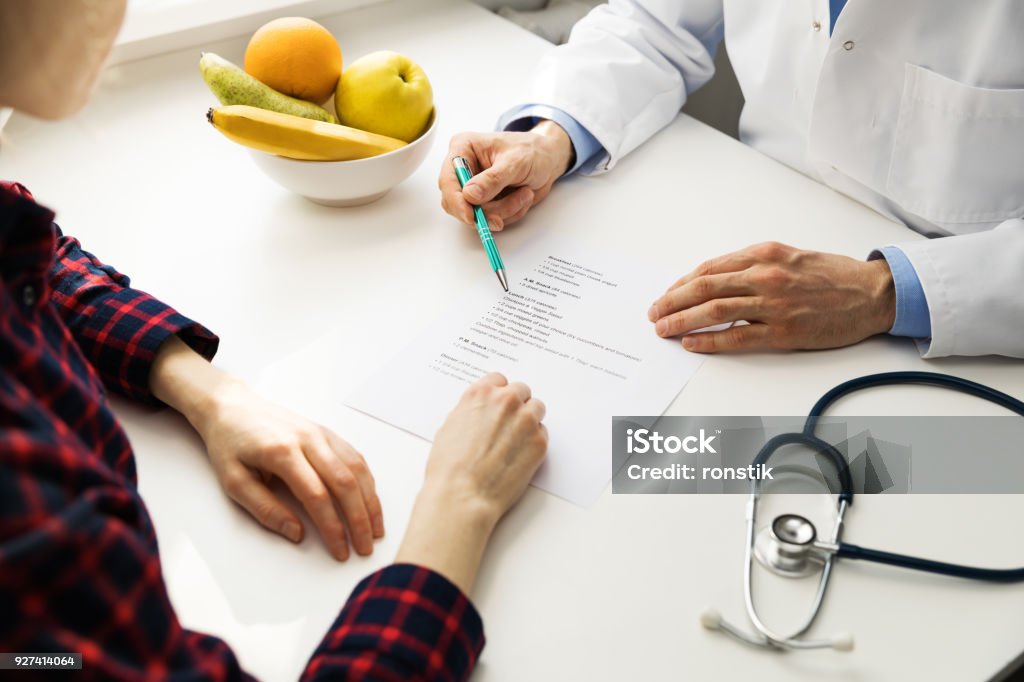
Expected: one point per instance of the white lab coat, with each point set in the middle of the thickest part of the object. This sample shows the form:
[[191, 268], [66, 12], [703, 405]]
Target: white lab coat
[[913, 107]]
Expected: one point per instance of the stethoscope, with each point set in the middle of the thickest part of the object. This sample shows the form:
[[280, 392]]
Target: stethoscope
[[790, 545]]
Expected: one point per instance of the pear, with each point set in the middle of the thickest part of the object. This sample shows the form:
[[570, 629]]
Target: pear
[[232, 85]]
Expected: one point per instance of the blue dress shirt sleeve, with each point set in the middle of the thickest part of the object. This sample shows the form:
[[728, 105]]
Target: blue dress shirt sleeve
[[525, 116], [912, 316]]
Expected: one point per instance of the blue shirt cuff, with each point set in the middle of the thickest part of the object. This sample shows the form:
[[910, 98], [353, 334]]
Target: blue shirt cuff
[[912, 316], [526, 116]]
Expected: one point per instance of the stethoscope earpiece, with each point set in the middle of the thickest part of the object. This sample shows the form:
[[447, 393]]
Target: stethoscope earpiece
[[843, 642], [711, 619]]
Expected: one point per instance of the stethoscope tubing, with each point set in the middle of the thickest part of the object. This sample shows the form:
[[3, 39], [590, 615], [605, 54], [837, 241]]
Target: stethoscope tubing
[[823, 447], [992, 575], [851, 551], [895, 378]]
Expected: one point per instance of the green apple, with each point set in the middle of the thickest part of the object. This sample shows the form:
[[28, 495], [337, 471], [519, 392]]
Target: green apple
[[385, 93]]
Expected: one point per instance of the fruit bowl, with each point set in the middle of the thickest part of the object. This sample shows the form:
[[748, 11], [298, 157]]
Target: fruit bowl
[[348, 183]]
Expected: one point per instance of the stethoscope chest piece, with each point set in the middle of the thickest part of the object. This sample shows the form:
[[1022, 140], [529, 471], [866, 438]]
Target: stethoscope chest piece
[[786, 547]]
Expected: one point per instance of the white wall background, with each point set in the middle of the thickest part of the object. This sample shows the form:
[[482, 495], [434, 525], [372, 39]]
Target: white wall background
[[155, 26]]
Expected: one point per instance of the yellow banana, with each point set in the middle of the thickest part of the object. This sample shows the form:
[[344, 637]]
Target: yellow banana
[[296, 137]]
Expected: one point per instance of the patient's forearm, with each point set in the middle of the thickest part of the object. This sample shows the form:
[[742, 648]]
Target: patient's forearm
[[447, 535], [186, 381]]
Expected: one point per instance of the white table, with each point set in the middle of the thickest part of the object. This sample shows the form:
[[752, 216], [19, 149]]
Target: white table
[[607, 593]]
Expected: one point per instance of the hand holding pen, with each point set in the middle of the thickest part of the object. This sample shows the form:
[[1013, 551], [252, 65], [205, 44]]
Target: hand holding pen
[[515, 171]]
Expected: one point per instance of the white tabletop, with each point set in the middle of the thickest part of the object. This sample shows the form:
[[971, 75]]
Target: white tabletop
[[612, 592]]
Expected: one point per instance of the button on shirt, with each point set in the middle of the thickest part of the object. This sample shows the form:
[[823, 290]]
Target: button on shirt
[[79, 566], [912, 316]]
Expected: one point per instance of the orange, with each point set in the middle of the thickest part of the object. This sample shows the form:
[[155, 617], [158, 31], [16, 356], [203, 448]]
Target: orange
[[296, 56]]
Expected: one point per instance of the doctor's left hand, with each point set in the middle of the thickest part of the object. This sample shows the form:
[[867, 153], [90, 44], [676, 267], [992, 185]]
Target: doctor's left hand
[[791, 298]]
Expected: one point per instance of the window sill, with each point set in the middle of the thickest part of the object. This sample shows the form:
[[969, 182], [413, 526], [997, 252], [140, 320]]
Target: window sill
[[164, 26]]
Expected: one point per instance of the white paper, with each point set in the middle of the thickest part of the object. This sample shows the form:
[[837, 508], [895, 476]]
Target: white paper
[[574, 328]]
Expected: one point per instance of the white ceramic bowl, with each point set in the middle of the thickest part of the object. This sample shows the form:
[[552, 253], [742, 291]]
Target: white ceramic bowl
[[348, 183]]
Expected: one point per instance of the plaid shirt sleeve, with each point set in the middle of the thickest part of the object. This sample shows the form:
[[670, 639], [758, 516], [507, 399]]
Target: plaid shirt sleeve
[[119, 329], [404, 623], [80, 572]]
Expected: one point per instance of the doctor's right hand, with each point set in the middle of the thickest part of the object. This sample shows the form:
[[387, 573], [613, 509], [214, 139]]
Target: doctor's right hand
[[512, 172]]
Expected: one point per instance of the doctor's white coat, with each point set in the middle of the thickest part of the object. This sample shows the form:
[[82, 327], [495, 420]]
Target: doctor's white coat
[[913, 107]]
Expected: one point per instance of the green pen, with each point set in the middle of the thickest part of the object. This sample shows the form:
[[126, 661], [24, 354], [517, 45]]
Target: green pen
[[463, 173]]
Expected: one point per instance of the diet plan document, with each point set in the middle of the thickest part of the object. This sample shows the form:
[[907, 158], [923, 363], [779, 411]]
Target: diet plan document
[[574, 328]]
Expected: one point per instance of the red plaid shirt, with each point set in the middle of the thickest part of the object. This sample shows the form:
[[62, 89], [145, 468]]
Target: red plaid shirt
[[79, 566]]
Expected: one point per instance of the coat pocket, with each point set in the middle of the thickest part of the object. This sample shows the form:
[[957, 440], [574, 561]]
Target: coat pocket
[[958, 152]]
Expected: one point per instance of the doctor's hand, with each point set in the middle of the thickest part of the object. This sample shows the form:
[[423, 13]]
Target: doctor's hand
[[482, 460], [512, 172], [792, 299], [250, 441]]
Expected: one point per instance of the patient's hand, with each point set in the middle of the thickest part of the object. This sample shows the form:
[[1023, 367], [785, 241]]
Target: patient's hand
[[251, 440], [482, 460], [489, 447]]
